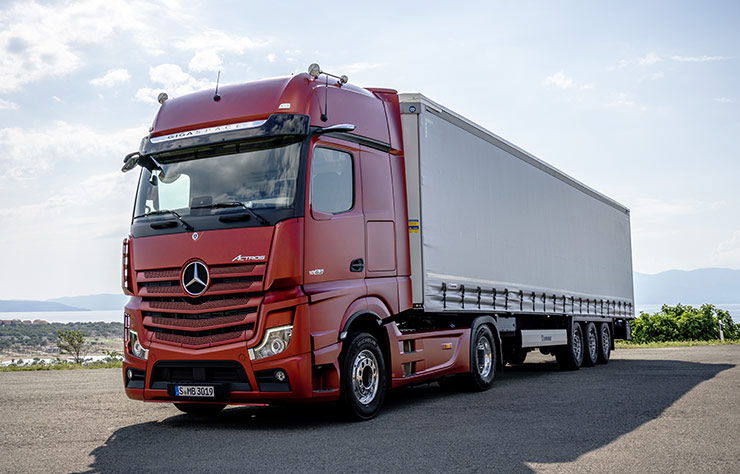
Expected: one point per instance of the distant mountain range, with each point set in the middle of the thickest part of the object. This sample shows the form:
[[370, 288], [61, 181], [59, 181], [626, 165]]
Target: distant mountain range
[[100, 302], [707, 285]]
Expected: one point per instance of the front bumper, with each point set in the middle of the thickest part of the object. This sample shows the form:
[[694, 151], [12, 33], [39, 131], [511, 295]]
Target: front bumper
[[283, 378]]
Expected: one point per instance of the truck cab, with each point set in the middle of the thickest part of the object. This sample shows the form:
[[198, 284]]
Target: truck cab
[[269, 220]]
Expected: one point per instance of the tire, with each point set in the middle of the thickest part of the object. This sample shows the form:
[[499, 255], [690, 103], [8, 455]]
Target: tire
[[570, 357], [482, 360], [605, 344], [591, 345], [200, 409], [363, 377]]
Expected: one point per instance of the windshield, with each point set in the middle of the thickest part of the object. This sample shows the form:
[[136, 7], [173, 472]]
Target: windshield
[[213, 181]]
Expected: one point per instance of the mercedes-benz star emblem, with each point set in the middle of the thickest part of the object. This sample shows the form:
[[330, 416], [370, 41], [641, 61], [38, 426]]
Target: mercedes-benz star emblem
[[195, 278]]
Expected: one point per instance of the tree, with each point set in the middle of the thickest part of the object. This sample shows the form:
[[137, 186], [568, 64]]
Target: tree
[[72, 342]]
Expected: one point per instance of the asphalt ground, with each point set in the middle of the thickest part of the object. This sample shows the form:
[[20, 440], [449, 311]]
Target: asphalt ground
[[648, 410]]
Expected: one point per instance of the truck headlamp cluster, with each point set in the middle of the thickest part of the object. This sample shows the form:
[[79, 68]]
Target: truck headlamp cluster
[[134, 346], [276, 341]]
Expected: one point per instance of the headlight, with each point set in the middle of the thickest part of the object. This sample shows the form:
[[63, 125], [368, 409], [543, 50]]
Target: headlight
[[134, 346], [276, 341]]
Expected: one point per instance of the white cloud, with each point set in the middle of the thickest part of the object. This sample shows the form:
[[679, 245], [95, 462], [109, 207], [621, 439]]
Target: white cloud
[[727, 253], [697, 59], [649, 209], [271, 58], [724, 100], [650, 58], [559, 80], [111, 78], [356, 68], [47, 40], [218, 41], [205, 61], [211, 45], [173, 80], [56, 99], [8, 105], [623, 101], [653, 58], [30, 153]]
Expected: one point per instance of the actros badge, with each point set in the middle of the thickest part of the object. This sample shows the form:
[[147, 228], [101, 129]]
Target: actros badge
[[248, 258]]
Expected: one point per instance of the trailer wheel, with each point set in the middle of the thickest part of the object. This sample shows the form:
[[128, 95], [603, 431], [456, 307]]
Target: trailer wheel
[[482, 360], [605, 343], [591, 346], [200, 409], [570, 357], [363, 377]]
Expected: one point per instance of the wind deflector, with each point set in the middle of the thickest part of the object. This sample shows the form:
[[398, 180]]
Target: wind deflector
[[275, 126]]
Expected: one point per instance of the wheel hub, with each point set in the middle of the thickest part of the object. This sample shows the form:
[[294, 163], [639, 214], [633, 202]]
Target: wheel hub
[[484, 356], [365, 377]]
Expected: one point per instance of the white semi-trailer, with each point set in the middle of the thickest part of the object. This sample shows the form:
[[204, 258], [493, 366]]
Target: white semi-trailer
[[495, 229]]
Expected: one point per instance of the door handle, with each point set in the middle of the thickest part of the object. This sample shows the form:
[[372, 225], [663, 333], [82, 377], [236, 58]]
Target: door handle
[[357, 265]]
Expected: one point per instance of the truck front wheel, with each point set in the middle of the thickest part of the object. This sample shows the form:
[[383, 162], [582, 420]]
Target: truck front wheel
[[363, 378], [570, 357]]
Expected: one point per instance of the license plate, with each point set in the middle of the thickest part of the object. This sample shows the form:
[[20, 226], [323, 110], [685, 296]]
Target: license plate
[[205, 391]]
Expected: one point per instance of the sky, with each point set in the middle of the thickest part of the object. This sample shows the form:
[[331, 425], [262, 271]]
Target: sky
[[639, 100]]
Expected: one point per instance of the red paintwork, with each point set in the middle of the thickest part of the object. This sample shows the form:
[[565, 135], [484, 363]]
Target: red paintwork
[[257, 100], [305, 276]]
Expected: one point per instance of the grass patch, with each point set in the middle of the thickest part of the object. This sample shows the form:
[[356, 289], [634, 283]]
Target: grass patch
[[652, 345], [111, 364]]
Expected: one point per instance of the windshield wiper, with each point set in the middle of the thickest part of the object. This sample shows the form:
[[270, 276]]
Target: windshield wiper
[[224, 204], [187, 226]]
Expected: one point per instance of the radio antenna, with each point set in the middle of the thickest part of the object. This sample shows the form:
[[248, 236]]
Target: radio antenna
[[325, 116], [217, 97]]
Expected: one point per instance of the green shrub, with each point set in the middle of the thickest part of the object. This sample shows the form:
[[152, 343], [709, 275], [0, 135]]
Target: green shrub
[[683, 323]]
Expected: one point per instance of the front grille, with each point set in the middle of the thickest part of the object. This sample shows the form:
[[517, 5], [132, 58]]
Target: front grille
[[199, 338], [226, 312], [199, 320], [181, 304]]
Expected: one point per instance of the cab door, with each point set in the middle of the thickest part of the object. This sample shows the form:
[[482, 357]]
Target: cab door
[[335, 237]]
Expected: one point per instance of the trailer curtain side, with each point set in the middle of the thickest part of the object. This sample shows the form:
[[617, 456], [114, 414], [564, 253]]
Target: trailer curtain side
[[493, 227]]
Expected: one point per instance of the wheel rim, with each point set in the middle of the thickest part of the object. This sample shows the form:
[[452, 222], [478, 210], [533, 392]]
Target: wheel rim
[[365, 377], [592, 342], [578, 344], [605, 342], [484, 356]]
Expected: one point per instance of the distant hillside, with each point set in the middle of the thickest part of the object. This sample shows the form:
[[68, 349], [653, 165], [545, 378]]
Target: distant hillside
[[706, 285], [100, 302], [68, 303], [21, 306]]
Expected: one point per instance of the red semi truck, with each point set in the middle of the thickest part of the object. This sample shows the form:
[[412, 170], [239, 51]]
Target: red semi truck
[[301, 239]]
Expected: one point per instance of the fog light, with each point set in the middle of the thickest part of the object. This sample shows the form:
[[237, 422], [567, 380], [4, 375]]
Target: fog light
[[129, 374], [280, 376], [276, 340]]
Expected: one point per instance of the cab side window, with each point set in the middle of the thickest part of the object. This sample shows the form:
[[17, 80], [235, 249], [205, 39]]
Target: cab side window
[[332, 181]]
